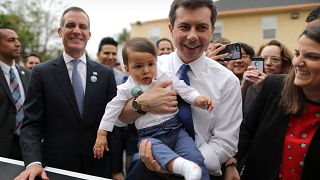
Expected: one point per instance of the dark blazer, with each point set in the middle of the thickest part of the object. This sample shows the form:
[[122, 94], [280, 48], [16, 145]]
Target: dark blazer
[[262, 135], [8, 140], [52, 115]]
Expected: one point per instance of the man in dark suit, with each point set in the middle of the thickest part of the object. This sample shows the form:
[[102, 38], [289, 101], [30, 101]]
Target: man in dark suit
[[9, 130], [65, 103]]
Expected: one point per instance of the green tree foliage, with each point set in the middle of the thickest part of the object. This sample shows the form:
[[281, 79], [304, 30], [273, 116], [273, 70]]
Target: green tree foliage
[[123, 36], [35, 23]]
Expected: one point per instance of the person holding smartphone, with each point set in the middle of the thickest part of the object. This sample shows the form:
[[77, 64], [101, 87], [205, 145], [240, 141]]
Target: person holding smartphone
[[215, 47], [239, 66], [277, 60], [280, 135]]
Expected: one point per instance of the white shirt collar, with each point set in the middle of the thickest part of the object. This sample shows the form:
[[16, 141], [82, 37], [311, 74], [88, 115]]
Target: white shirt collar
[[195, 65], [6, 68], [67, 58]]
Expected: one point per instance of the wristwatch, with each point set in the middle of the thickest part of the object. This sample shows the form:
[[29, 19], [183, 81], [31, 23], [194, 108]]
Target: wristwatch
[[136, 106]]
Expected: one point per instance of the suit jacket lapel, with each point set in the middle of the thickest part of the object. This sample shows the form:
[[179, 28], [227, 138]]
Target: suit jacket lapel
[[5, 86], [61, 73], [24, 77], [90, 85]]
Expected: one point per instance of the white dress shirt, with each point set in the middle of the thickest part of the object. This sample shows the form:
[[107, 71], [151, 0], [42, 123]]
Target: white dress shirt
[[82, 68], [217, 133], [115, 106], [5, 69]]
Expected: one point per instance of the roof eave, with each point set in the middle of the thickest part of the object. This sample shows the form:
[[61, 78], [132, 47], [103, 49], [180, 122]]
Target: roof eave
[[268, 9]]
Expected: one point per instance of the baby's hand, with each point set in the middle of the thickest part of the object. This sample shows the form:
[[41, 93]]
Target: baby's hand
[[204, 102], [100, 145]]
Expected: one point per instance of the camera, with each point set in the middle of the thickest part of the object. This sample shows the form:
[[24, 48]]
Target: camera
[[234, 51], [258, 62]]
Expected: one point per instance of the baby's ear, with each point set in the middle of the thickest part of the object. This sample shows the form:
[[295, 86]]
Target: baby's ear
[[126, 68]]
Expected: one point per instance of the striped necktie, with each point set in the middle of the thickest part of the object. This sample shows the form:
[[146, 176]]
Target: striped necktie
[[16, 96], [77, 85], [184, 113]]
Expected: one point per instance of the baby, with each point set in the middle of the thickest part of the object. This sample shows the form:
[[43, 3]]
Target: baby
[[172, 147]]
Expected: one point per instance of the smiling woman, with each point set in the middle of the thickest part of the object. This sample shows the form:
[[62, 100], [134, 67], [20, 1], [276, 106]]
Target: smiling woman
[[306, 73], [277, 60], [277, 57], [280, 137]]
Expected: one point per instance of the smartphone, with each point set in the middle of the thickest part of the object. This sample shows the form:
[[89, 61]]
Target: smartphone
[[234, 51], [258, 62]]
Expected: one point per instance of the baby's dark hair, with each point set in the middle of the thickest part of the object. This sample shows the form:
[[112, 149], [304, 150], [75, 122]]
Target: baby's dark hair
[[138, 45]]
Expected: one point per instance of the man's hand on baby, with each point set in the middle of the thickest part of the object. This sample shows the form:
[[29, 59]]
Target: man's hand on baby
[[145, 152], [204, 102]]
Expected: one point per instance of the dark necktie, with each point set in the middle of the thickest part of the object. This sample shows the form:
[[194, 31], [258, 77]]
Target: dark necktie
[[77, 85], [16, 96], [184, 113]]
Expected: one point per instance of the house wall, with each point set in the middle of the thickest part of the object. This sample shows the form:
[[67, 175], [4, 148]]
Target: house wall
[[145, 29], [248, 28]]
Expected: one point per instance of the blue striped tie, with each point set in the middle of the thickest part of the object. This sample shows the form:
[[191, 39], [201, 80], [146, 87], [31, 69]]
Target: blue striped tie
[[16, 96], [184, 113], [77, 85]]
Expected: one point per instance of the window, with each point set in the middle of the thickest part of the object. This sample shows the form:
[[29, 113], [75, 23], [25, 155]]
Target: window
[[218, 30], [269, 27], [154, 33]]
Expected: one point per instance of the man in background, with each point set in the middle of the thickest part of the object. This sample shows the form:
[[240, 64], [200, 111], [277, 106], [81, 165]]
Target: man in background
[[31, 60], [13, 86], [107, 55], [164, 46]]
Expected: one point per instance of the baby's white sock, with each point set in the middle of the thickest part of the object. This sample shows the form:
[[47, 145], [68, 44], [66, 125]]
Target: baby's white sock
[[186, 168]]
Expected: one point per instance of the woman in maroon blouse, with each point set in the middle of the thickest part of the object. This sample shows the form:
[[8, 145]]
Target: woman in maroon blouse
[[280, 137]]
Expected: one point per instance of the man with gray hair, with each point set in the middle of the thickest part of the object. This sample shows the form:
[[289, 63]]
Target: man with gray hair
[[64, 105]]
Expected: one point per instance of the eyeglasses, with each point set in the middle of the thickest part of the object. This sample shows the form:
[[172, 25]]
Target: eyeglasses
[[273, 59]]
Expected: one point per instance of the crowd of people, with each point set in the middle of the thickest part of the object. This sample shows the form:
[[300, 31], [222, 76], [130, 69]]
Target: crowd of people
[[81, 115]]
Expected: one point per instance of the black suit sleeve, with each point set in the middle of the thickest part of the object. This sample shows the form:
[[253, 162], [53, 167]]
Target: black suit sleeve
[[271, 86], [33, 124]]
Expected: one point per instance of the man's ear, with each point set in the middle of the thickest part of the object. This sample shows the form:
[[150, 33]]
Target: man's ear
[[59, 32], [213, 29], [170, 27]]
